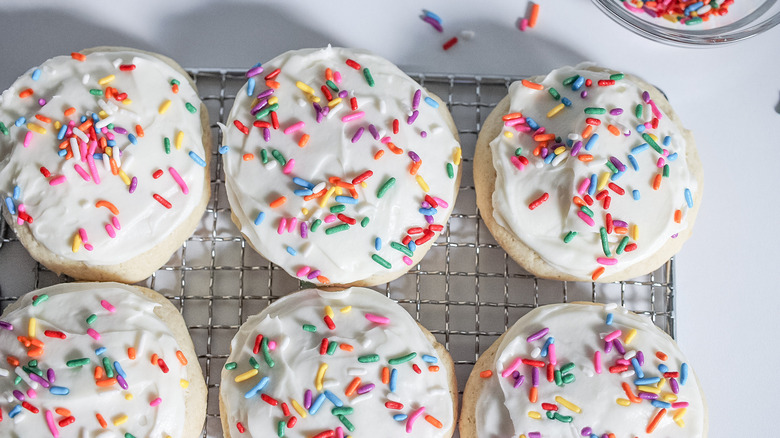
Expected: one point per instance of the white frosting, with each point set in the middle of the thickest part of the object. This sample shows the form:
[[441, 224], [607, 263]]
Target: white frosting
[[578, 331], [59, 211], [297, 359], [544, 227], [330, 152], [133, 324]]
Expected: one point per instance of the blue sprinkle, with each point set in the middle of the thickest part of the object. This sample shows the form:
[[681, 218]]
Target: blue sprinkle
[[661, 404], [640, 128], [257, 388], [250, 86], [431, 102], [396, 417], [683, 373], [432, 15], [610, 318], [302, 192], [412, 246], [17, 192], [647, 381], [593, 183], [546, 348], [120, 370], [565, 101], [195, 157], [223, 149], [132, 138], [10, 204], [548, 159], [688, 198], [633, 162], [578, 83], [532, 123], [259, 218], [429, 359], [636, 195], [62, 152], [663, 368], [100, 351], [59, 390], [637, 368], [377, 243], [97, 157], [333, 398], [317, 404], [83, 119], [259, 64], [61, 132], [667, 140], [692, 7], [18, 408], [291, 250], [616, 176], [36, 74], [393, 379], [427, 211], [20, 121], [640, 148], [591, 141], [346, 200], [111, 143], [672, 156], [303, 183]]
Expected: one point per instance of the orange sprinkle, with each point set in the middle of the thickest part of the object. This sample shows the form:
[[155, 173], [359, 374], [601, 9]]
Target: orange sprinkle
[[532, 397], [328, 74], [101, 420], [86, 125], [323, 279], [394, 149], [346, 347], [99, 373], [181, 357], [436, 423], [587, 131], [102, 142], [62, 411], [278, 202], [106, 382], [578, 201], [36, 342], [532, 85], [114, 169], [303, 141], [534, 15], [69, 112], [353, 386], [35, 352], [175, 88], [621, 230], [131, 353], [43, 118], [108, 205], [678, 216], [657, 182], [24, 341], [661, 355], [139, 131], [511, 116], [385, 375], [272, 84], [597, 273], [657, 419], [155, 357], [415, 167], [69, 155], [613, 130], [433, 368], [544, 137], [585, 158], [248, 157], [315, 195], [485, 374], [13, 361], [78, 56], [379, 154], [630, 394], [537, 150]]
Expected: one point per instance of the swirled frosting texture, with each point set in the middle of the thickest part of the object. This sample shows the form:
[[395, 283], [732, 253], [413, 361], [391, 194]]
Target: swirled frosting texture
[[297, 359], [124, 103], [104, 341], [578, 331], [615, 185], [329, 151]]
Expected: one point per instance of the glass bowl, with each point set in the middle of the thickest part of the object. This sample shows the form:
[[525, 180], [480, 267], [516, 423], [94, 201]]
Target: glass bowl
[[745, 18]]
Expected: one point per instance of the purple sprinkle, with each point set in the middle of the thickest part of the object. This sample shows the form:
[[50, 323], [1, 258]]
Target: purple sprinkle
[[365, 388], [674, 236], [640, 357], [6, 325], [586, 431], [675, 386], [544, 152], [618, 344], [576, 148], [119, 130], [413, 117], [19, 395], [433, 23], [519, 381], [313, 274], [648, 395], [535, 376], [304, 230], [413, 155], [254, 71], [423, 134], [260, 104], [50, 375], [133, 184], [266, 135], [619, 223], [317, 107], [325, 111], [373, 131], [416, 99], [608, 347], [534, 435], [121, 381], [41, 101], [620, 166], [646, 96], [429, 219], [358, 134], [425, 204], [320, 116], [343, 94], [39, 379], [616, 111], [515, 374], [307, 399], [265, 93], [538, 335], [584, 94]]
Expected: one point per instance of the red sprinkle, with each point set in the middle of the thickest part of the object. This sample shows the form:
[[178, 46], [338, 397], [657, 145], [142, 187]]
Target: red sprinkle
[[30, 407], [362, 177], [326, 92], [415, 230], [66, 421], [416, 369], [450, 43], [127, 67], [240, 427], [162, 201], [274, 120], [436, 227], [539, 201], [270, 400], [550, 372], [291, 422], [431, 201], [163, 365], [78, 56], [258, 340], [324, 346], [45, 172], [616, 188], [353, 104], [54, 334], [325, 434], [241, 127], [329, 322], [353, 64], [549, 407], [285, 410], [273, 74], [485, 374], [606, 82], [396, 126], [406, 240], [157, 174], [610, 225], [533, 363], [344, 218], [394, 405]]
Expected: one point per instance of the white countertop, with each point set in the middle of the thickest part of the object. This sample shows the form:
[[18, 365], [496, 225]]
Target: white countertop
[[728, 96]]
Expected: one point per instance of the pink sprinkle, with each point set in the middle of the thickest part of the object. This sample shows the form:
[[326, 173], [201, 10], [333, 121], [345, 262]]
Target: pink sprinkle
[[678, 405], [551, 354], [155, 402], [597, 362], [303, 271], [28, 138], [294, 127], [523, 128], [513, 122], [516, 161], [408, 261], [330, 218], [585, 218], [515, 365], [523, 24], [50, 422], [337, 77], [583, 186], [291, 224], [93, 333], [385, 140], [377, 319], [110, 231], [339, 432], [660, 163], [31, 393], [612, 336], [656, 112], [82, 173], [179, 180], [21, 209], [607, 261], [88, 246], [57, 180], [83, 234], [115, 222], [412, 418], [272, 345], [282, 226], [441, 202], [92, 168], [288, 167], [353, 116], [108, 306], [92, 147]]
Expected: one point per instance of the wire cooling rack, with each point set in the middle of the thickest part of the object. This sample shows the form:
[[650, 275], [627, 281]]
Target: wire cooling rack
[[466, 290]]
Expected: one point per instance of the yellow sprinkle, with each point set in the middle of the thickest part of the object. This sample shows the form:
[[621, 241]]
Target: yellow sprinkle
[[423, 184], [568, 405], [76, 242], [624, 402], [364, 185], [31, 327], [508, 134], [645, 388], [36, 128], [273, 100], [678, 414], [680, 422], [329, 311], [653, 136], [305, 88], [522, 435], [128, 396], [179, 139], [635, 232], [109, 152], [555, 110], [334, 102], [184, 383], [559, 150], [57, 124], [669, 397], [106, 79], [339, 191], [630, 336], [127, 101], [125, 178], [164, 106], [603, 180], [535, 415], [661, 383], [120, 420], [103, 114], [247, 375], [313, 98], [456, 156], [320, 375], [328, 194], [346, 309], [298, 408], [305, 211]]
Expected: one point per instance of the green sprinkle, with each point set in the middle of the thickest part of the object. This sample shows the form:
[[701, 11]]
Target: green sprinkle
[[32, 364], [265, 111], [558, 378], [129, 435], [315, 225], [368, 358], [77, 362], [518, 152], [569, 236], [450, 171], [96, 92], [595, 110], [280, 426], [385, 187], [40, 299], [569, 81], [638, 111], [694, 20], [364, 222], [191, 108], [264, 156], [17, 380], [586, 210], [666, 171], [617, 76], [346, 423], [3, 129], [551, 415], [554, 93], [332, 85], [108, 368], [568, 367], [279, 157], [110, 126], [254, 363], [622, 246], [605, 242], [649, 139], [567, 378], [337, 229], [385, 264], [29, 370], [266, 353], [167, 144], [344, 410], [91, 319], [611, 167], [332, 346], [402, 359], [175, 82], [231, 365], [338, 208], [562, 418], [399, 247], [310, 328], [369, 78]]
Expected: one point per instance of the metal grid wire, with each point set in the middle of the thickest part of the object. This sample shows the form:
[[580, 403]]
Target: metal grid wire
[[466, 290]]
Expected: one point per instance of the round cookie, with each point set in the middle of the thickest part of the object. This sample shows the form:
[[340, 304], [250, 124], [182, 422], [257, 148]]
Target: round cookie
[[587, 174], [122, 218], [614, 373], [333, 364], [334, 148], [79, 360]]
